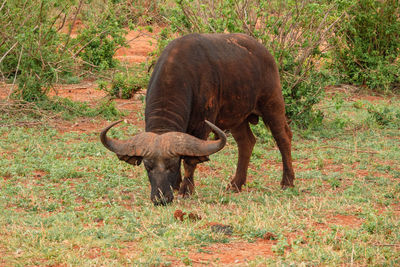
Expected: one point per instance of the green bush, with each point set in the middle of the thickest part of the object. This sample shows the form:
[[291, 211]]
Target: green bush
[[37, 48], [385, 116], [30, 50], [101, 35], [367, 45], [138, 11], [292, 30], [126, 84], [99, 50], [69, 109]]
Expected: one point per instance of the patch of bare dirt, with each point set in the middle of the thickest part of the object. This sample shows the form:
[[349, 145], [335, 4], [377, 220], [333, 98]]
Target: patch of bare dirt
[[140, 44], [73, 27], [345, 220], [86, 91], [234, 253], [82, 126], [396, 209], [130, 250], [5, 90], [349, 221], [355, 93], [3, 253], [94, 253]]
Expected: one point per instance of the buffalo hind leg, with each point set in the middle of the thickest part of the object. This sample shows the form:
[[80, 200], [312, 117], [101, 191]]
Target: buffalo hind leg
[[274, 116], [245, 141]]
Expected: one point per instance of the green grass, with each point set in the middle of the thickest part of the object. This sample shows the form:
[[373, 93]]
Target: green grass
[[65, 199]]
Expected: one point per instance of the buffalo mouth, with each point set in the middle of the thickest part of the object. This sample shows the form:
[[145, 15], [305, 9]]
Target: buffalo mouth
[[161, 199]]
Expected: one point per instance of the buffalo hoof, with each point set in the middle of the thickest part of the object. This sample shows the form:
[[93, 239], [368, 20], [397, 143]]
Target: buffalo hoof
[[284, 187], [162, 200], [233, 187], [185, 191], [177, 184]]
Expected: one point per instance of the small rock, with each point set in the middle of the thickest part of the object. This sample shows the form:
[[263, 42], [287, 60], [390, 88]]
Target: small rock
[[269, 236], [221, 228]]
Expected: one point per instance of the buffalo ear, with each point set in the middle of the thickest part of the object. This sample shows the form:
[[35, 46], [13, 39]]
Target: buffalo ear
[[195, 160], [133, 160]]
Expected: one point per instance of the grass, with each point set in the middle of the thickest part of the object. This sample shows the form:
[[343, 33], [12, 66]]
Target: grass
[[66, 200]]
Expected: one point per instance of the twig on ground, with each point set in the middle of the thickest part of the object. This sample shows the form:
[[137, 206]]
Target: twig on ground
[[385, 245], [127, 103], [22, 123], [14, 107], [352, 150]]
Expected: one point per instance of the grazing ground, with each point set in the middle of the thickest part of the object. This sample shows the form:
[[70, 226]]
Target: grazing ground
[[66, 200]]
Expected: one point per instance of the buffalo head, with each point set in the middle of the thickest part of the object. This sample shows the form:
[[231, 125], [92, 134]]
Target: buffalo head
[[161, 155]]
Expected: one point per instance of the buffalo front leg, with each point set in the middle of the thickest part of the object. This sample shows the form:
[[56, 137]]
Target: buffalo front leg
[[190, 163], [187, 186], [274, 116], [245, 141]]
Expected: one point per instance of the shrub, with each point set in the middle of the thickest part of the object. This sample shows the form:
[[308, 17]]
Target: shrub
[[69, 109], [126, 84], [101, 35], [30, 53], [35, 50], [141, 12], [292, 30], [384, 116], [100, 48], [367, 44]]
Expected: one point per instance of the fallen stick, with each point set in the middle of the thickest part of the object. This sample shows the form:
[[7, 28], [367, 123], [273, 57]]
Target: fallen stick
[[352, 150]]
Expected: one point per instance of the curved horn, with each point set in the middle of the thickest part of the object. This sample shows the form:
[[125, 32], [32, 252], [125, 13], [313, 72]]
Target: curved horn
[[187, 145], [136, 146], [107, 142]]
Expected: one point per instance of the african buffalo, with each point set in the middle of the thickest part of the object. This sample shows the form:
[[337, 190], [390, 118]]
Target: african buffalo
[[229, 80]]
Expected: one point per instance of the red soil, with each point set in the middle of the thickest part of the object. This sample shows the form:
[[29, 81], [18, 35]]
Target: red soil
[[237, 252], [140, 45]]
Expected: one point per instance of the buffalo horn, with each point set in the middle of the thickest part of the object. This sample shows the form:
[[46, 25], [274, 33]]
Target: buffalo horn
[[136, 146], [187, 145], [172, 143]]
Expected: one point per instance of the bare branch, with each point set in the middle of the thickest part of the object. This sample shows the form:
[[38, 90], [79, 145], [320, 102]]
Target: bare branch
[[85, 45], [9, 50], [15, 75], [2, 5], [352, 150], [72, 25]]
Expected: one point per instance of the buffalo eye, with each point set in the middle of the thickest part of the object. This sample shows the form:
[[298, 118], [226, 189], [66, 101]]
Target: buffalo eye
[[148, 164], [172, 164]]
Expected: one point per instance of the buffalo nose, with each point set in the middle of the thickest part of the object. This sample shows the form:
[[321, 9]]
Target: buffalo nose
[[160, 199]]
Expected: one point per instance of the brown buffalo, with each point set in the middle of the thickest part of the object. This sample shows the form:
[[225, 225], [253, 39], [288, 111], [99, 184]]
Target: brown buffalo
[[229, 80]]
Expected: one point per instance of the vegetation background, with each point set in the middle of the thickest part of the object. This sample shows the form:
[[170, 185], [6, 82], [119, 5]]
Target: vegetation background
[[65, 200]]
